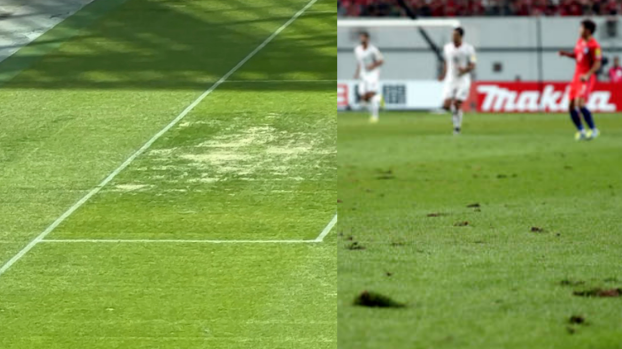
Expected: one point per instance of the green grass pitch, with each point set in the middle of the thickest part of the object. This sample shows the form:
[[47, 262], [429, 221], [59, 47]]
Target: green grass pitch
[[501, 275], [255, 160]]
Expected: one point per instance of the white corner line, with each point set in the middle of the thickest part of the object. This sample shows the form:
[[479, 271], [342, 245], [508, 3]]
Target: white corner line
[[150, 142], [327, 229], [179, 241], [319, 239]]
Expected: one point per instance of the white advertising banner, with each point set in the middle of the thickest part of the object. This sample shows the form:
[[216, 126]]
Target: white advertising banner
[[398, 94]]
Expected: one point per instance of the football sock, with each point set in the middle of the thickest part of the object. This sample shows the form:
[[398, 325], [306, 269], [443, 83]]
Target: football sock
[[456, 117], [374, 106], [587, 116], [576, 119]]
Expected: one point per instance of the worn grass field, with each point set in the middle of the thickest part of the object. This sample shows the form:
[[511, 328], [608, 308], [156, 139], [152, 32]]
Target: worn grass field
[[181, 248], [544, 224]]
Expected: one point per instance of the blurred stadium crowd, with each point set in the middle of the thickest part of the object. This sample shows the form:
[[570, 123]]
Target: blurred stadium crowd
[[450, 8]]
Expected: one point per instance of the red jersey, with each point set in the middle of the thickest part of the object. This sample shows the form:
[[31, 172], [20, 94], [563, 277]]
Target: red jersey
[[615, 74], [586, 53]]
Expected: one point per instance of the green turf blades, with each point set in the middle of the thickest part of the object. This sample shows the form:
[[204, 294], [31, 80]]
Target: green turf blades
[[473, 285]]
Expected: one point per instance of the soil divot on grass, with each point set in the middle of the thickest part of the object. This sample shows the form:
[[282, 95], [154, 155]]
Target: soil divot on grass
[[376, 300], [567, 282], [461, 224], [474, 205], [436, 214], [536, 230], [573, 322], [355, 246], [577, 320], [385, 174], [600, 293]]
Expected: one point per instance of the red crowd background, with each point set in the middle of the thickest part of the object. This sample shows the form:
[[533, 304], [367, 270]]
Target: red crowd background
[[455, 8]]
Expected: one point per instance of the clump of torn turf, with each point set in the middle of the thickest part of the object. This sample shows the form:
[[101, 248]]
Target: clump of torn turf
[[435, 214], [567, 282], [355, 246], [461, 224], [537, 230], [376, 300], [474, 205], [385, 174], [599, 292], [573, 322], [576, 320]]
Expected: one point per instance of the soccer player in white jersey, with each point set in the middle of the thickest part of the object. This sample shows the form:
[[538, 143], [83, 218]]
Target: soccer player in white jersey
[[459, 63], [369, 60]]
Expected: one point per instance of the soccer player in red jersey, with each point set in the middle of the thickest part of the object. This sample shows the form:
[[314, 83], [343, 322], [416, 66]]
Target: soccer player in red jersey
[[588, 55], [615, 72]]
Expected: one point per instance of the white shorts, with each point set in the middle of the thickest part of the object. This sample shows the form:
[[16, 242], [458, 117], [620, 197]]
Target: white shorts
[[458, 90], [367, 85]]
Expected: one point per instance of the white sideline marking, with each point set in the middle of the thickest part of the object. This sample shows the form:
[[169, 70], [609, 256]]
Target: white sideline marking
[[181, 241], [146, 146], [319, 239], [327, 229]]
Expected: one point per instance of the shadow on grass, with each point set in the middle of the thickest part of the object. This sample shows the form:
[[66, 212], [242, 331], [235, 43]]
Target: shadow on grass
[[157, 44]]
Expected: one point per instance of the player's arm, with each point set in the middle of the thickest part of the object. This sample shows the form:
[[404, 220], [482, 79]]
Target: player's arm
[[596, 66], [443, 71], [568, 54], [592, 70], [375, 65], [469, 68], [470, 65], [378, 61]]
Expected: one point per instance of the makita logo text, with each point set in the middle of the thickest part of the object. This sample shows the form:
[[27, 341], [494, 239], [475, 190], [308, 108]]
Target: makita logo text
[[501, 99]]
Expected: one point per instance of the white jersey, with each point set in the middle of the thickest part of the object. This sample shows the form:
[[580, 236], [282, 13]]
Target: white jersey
[[455, 58], [365, 57]]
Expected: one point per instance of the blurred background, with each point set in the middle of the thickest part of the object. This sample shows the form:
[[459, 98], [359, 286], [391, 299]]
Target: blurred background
[[517, 45], [442, 8]]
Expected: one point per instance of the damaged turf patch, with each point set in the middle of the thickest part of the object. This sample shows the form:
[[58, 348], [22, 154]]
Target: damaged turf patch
[[461, 224], [388, 174], [536, 230], [355, 246], [600, 293], [567, 282], [376, 300], [576, 320]]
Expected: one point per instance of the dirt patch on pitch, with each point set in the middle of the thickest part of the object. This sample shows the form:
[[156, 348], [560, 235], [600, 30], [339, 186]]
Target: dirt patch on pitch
[[376, 300], [600, 293], [254, 151]]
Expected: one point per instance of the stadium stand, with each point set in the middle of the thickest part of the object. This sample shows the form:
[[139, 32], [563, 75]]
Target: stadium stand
[[455, 8]]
